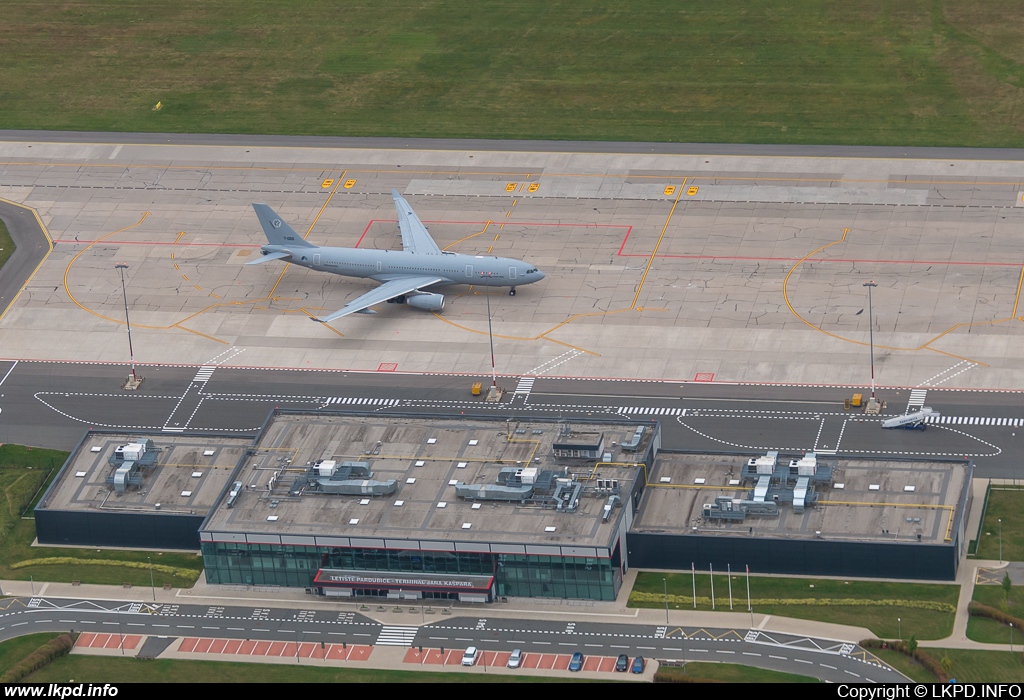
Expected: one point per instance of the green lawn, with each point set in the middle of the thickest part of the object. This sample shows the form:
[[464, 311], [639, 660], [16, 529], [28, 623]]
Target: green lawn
[[968, 666], [927, 614], [731, 673], [14, 650], [24, 475], [1006, 504], [106, 669], [982, 629], [917, 72], [6, 245]]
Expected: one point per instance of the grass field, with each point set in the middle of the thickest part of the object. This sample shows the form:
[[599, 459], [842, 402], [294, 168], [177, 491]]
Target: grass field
[[14, 650], [918, 72], [24, 475], [968, 666], [106, 669], [733, 673], [1007, 504], [928, 613], [982, 629], [6, 244]]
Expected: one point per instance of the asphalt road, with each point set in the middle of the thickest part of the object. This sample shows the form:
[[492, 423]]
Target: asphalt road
[[826, 659], [53, 404], [813, 151], [31, 247]]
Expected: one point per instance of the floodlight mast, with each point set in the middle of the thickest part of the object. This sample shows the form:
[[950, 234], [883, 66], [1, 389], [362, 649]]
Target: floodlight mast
[[490, 335], [871, 336], [131, 353]]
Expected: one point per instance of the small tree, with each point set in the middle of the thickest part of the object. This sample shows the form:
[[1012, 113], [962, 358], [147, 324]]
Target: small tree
[[912, 645], [1007, 584], [947, 663]]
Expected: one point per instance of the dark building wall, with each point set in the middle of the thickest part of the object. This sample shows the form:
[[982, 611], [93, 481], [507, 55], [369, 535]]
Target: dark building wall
[[809, 557], [137, 530]]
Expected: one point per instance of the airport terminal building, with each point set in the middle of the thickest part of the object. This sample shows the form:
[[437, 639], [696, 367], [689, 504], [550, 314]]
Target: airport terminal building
[[475, 509]]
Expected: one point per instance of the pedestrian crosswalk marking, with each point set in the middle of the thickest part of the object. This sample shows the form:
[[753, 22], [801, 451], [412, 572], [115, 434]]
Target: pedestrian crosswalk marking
[[396, 636]]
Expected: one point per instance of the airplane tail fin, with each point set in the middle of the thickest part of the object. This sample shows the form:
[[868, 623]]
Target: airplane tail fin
[[277, 231]]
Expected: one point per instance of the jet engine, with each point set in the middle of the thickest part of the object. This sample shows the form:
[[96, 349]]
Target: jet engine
[[427, 301]]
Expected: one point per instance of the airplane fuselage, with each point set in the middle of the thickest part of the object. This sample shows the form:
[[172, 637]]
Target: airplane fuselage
[[385, 265]]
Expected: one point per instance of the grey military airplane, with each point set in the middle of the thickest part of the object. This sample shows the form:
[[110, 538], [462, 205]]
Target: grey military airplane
[[406, 276]]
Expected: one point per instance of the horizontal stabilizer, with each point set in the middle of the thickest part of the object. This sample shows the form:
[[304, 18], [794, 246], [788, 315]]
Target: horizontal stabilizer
[[270, 256]]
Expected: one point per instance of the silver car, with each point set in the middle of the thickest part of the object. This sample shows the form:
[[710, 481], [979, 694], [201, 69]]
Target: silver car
[[516, 659]]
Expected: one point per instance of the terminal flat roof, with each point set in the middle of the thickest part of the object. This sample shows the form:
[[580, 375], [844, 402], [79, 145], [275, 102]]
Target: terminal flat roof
[[866, 500], [182, 467], [426, 455]]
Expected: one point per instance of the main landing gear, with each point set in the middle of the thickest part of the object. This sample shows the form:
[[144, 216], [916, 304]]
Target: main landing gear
[[512, 292]]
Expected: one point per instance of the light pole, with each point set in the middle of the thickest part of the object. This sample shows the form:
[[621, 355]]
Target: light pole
[[1000, 540], [871, 336], [665, 583], [899, 622], [131, 353], [152, 585], [490, 336]]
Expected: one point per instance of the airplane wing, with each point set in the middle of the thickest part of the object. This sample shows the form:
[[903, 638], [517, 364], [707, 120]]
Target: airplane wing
[[415, 238], [388, 290]]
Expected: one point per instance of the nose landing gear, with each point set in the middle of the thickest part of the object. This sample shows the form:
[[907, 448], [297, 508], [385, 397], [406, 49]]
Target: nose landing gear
[[512, 292]]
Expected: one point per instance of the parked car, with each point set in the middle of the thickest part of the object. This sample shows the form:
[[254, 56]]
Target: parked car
[[471, 656], [638, 664], [622, 663], [516, 660], [576, 662]]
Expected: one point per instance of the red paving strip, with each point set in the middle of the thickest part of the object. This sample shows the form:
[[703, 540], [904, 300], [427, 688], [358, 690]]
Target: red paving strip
[[562, 662], [413, 656], [547, 661], [85, 639], [604, 663], [308, 650], [204, 645], [360, 653], [336, 653], [433, 656], [531, 660]]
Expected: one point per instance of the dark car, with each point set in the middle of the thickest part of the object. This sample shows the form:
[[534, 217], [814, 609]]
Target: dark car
[[638, 664], [576, 662], [622, 663]]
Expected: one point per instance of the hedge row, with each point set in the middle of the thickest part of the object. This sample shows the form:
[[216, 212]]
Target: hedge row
[[646, 597], [913, 651], [68, 561], [980, 610], [38, 658]]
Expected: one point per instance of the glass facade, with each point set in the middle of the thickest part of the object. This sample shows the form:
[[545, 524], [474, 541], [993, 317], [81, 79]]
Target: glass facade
[[523, 575]]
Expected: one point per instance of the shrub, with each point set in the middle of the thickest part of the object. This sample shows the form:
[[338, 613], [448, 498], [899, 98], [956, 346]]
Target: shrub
[[912, 650], [38, 658]]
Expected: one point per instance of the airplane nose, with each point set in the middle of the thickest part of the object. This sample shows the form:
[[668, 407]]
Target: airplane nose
[[540, 275]]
